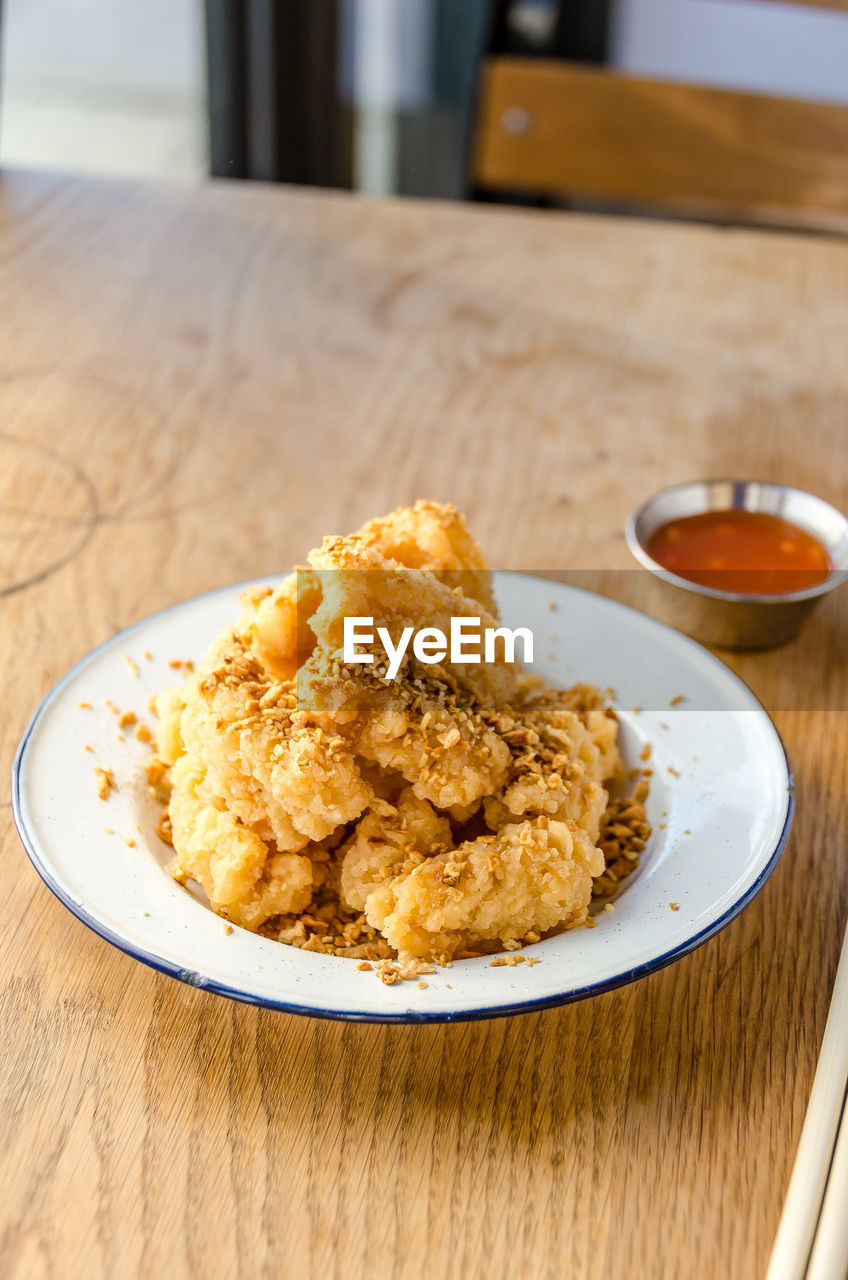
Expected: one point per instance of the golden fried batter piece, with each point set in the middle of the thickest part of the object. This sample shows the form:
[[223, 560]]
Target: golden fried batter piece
[[388, 839], [279, 772], [244, 878], [357, 582], [427, 536], [417, 729], [434, 537], [560, 759], [528, 876], [275, 624]]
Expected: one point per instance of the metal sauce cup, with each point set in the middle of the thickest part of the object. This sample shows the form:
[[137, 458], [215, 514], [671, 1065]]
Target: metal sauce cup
[[727, 619]]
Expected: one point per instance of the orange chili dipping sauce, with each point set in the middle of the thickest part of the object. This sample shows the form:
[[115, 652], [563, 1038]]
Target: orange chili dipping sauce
[[749, 552]]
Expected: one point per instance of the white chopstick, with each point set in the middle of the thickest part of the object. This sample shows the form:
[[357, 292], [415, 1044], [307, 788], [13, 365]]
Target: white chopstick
[[829, 1257], [812, 1236]]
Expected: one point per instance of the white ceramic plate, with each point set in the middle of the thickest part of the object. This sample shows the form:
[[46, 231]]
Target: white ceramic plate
[[720, 805]]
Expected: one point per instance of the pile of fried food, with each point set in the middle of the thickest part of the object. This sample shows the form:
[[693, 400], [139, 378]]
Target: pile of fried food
[[454, 811]]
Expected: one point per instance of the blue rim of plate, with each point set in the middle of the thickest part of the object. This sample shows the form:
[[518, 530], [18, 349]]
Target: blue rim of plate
[[193, 979]]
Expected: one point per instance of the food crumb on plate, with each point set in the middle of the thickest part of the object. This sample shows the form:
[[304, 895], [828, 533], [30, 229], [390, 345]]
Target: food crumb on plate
[[678, 697], [675, 906], [388, 973], [363, 966], [125, 719], [132, 664], [674, 772], [228, 928], [84, 706], [644, 754], [105, 781]]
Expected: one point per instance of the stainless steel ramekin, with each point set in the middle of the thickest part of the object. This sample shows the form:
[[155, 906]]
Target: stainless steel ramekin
[[726, 619]]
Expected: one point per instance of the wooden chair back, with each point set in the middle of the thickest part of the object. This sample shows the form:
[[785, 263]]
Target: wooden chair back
[[559, 128]]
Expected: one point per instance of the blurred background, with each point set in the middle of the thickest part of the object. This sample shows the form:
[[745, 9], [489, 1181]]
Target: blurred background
[[722, 109]]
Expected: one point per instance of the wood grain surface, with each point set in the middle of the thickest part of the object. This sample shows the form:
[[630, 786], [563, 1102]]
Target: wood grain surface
[[195, 386], [549, 126]]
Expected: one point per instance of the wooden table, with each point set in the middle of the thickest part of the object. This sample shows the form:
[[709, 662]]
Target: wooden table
[[196, 385]]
